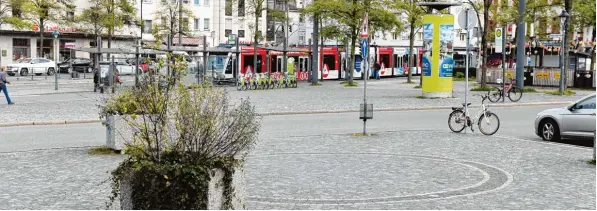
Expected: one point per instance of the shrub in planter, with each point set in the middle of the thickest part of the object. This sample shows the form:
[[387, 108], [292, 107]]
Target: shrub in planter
[[187, 147]]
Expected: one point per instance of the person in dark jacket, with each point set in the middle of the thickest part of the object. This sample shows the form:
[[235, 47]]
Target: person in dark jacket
[[377, 68], [3, 82]]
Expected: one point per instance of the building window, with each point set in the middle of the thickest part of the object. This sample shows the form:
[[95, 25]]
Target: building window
[[227, 32], [301, 18], [228, 8], [147, 26], [241, 8], [241, 24], [462, 36], [16, 12], [206, 24], [147, 1], [301, 39], [196, 25], [395, 36], [20, 48], [206, 3], [241, 33], [228, 23], [70, 15], [419, 36], [196, 2]]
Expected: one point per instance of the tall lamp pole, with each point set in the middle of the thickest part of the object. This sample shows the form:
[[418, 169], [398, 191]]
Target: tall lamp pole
[[563, 16], [56, 48]]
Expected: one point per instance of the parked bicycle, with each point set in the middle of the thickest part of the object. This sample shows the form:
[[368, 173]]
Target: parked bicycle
[[514, 93], [459, 120]]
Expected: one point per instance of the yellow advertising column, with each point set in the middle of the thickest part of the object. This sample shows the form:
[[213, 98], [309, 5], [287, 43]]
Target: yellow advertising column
[[438, 61]]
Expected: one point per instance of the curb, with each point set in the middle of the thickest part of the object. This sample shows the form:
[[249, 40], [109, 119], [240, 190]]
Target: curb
[[49, 93], [65, 122], [411, 108], [51, 123]]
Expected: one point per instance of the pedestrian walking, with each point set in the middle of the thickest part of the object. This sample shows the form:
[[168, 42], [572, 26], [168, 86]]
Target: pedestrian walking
[[3, 83], [377, 68]]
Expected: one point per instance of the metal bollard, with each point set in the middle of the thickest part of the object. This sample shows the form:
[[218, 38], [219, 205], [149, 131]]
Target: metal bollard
[[594, 142]]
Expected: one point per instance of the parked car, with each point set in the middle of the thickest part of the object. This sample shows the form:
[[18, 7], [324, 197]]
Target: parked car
[[143, 64], [76, 64], [37, 66], [122, 68], [573, 121]]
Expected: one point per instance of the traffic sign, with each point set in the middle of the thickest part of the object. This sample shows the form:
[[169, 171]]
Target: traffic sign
[[365, 27], [498, 40], [364, 48]]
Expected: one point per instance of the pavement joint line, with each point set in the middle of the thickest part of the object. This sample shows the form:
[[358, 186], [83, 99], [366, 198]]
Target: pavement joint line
[[298, 113]]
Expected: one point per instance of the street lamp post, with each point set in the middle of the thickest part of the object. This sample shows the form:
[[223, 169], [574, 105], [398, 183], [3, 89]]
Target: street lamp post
[[563, 16], [56, 48]]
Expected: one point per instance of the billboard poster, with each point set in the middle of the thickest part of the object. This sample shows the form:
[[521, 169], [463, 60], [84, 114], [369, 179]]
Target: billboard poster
[[446, 50], [427, 48]]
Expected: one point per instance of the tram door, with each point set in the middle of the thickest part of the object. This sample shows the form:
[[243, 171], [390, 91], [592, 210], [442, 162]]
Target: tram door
[[304, 68]]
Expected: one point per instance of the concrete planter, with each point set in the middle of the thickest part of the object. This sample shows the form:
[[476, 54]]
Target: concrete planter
[[118, 132], [215, 193]]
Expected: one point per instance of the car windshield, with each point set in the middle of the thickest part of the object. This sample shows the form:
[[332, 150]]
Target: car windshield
[[24, 61]]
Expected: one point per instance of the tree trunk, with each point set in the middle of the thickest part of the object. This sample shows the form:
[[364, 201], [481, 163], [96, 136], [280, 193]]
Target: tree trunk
[[593, 51], [484, 44], [568, 8], [411, 38], [353, 41], [41, 39]]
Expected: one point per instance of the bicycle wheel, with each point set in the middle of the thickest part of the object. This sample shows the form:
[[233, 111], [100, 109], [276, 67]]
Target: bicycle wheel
[[457, 121], [487, 122], [514, 94], [494, 94]]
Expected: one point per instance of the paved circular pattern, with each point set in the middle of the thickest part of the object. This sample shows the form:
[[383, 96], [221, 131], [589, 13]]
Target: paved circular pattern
[[366, 178]]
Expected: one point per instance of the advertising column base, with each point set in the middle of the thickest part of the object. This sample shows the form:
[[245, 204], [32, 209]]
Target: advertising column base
[[437, 95]]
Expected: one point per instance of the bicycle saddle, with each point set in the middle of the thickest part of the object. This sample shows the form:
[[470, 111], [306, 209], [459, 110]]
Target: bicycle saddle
[[468, 104]]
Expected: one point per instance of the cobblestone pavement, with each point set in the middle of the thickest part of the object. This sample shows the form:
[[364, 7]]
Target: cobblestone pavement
[[384, 94], [400, 170]]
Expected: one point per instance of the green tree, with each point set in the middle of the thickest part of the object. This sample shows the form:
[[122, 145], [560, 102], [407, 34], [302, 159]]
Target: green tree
[[482, 7], [40, 12], [349, 13], [583, 15], [414, 21], [255, 9], [168, 14], [7, 7]]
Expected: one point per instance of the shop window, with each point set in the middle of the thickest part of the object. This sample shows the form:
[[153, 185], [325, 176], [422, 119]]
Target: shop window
[[20, 48]]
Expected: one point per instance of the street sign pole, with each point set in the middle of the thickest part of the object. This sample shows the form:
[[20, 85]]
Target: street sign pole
[[504, 63], [56, 49], [468, 40], [365, 56]]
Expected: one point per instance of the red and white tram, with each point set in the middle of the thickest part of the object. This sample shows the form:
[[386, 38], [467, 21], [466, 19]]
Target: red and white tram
[[393, 61]]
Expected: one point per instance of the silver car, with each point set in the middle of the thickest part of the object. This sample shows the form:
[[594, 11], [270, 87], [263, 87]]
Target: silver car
[[574, 121]]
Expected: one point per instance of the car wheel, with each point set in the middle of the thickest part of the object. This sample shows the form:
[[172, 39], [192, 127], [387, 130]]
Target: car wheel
[[549, 130], [51, 71], [24, 72]]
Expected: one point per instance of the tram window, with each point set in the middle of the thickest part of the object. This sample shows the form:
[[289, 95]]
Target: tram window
[[396, 61], [330, 60], [305, 64]]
